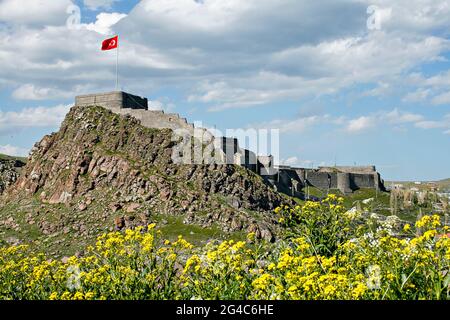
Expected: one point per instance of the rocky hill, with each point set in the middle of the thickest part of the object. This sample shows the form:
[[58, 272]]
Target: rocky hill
[[103, 171]]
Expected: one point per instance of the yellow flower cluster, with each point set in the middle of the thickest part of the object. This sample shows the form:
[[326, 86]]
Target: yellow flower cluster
[[322, 261], [433, 221]]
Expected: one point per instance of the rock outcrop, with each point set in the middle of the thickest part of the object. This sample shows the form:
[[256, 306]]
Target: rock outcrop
[[102, 160], [9, 171]]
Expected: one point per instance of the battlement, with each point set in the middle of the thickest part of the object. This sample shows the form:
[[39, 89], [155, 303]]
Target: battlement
[[114, 101], [349, 169]]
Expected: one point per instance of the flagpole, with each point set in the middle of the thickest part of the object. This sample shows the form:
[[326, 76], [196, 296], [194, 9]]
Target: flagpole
[[117, 69]]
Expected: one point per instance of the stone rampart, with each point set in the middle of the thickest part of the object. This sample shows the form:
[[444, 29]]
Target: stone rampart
[[286, 179]]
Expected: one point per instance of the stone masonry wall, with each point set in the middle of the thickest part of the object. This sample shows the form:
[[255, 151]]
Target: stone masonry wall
[[114, 100]]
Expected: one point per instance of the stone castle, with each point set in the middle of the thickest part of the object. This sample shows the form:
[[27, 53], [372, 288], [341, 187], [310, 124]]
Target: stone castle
[[288, 180]]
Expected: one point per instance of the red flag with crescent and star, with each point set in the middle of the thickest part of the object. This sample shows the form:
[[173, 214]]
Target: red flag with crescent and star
[[110, 44]]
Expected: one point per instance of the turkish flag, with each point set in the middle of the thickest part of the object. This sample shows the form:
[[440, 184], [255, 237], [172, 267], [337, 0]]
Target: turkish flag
[[110, 44]]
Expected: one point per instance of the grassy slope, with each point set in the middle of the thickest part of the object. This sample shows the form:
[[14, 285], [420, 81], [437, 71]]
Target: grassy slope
[[444, 184], [6, 157]]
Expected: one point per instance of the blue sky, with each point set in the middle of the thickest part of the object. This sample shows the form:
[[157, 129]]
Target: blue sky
[[342, 85]]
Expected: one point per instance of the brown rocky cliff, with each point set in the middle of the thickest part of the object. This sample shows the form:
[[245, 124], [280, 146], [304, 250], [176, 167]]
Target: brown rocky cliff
[[98, 151]]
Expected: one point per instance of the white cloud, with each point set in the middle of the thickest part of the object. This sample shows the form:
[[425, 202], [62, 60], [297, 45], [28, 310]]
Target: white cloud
[[399, 117], [420, 16], [33, 117], [31, 92], [13, 151], [430, 124], [34, 12], [441, 80], [380, 118], [391, 118], [360, 124], [99, 4], [104, 22], [248, 62], [297, 125], [296, 162], [417, 96], [290, 161], [434, 89], [443, 123], [322, 69], [158, 105], [443, 98], [382, 89]]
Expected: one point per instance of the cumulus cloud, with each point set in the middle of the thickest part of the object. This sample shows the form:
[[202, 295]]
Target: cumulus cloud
[[159, 105], [297, 125], [443, 123], [31, 92], [417, 96], [104, 22], [360, 124], [44, 117], [252, 52], [296, 162], [13, 150], [380, 118], [392, 118], [302, 123], [443, 98], [400, 117], [34, 12]]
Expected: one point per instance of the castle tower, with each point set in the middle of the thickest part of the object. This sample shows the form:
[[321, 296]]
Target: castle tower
[[114, 101], [343, 182]]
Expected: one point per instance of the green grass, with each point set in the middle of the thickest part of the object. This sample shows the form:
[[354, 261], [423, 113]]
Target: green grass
[[6, 157], [193, 233]]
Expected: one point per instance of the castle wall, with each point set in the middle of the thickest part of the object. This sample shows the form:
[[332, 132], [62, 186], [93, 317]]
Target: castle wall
[[250, 160], [321, 180], [114, 100], [158, 119], [230, 147], [362, 181], [349, 169], [344, 182], [288, 181], [326, 178], [266, 167]]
